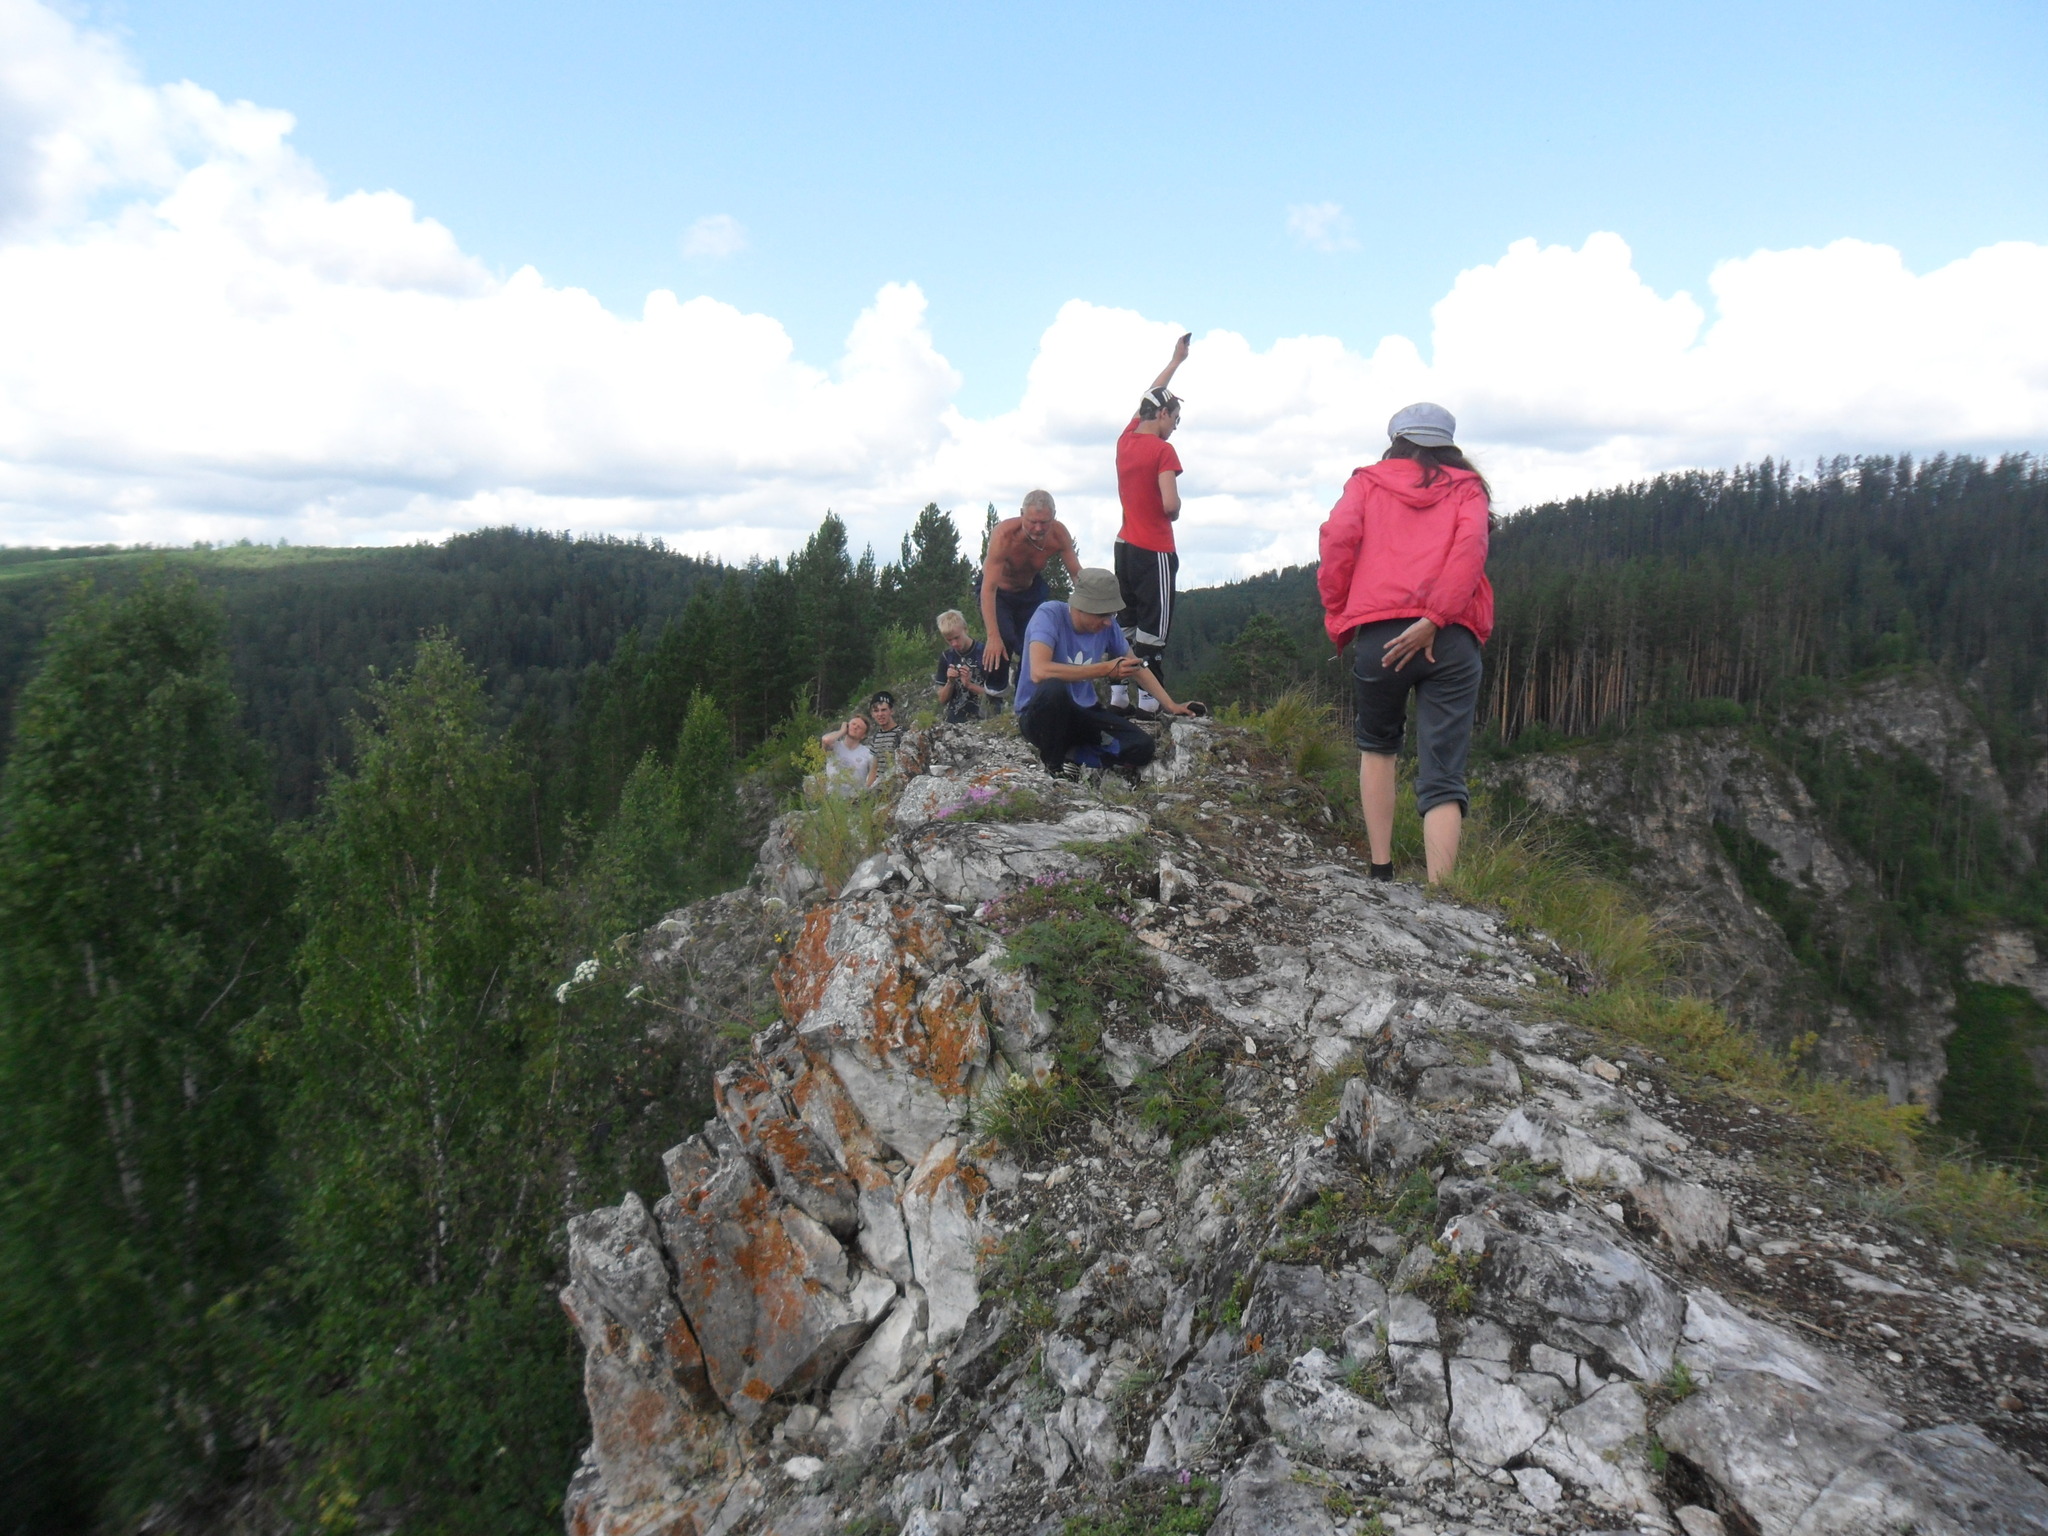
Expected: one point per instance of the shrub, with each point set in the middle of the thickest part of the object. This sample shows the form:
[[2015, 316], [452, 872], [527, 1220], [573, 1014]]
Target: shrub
[[1184, 1100], [836, 832]]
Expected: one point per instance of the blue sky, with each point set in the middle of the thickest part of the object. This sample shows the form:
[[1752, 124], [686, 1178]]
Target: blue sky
[[380, 272], [1008, 159]]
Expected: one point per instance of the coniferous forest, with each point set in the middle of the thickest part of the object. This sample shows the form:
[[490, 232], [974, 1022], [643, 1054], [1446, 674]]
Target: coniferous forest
[[297, 847]]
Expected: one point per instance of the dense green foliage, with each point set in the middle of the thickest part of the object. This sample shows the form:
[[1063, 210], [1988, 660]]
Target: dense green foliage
[[1618, 605], [287, 1229], [247, 1203], [142, 942], [1993, 1088], [418, 1105], [592, 647]]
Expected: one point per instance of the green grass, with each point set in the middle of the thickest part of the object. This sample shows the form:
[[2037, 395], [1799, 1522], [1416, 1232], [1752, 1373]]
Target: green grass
[[1028, 1269], [836, 832], [1317, 1232], [1084, 959], [1013, 803], [1183, 1100], [1033, 1115], [1532, 871], [1325, 1095], [1168, 1508], [1451, 1283]]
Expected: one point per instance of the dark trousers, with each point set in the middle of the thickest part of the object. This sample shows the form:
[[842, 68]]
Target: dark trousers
[[1148, 578], [1062, 732], [1446, 698], [1013, 617]]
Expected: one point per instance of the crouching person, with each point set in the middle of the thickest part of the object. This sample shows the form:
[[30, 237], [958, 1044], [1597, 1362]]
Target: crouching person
[[1067, 647]]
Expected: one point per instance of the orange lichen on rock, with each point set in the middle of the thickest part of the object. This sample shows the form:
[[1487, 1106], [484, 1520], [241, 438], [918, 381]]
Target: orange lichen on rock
[[803, 973], [954, 1046]]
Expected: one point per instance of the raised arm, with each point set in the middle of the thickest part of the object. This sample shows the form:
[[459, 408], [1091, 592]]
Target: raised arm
[[1180, 355]]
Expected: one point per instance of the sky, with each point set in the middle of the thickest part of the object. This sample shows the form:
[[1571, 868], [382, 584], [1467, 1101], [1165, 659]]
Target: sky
[[374, 273]]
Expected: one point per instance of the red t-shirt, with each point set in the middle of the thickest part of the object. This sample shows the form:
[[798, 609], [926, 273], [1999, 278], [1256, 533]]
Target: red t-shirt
[[1140, 459]]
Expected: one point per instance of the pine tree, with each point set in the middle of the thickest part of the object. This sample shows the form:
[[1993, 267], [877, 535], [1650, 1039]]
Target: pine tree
[[433, 1370], [141, 944], [931, 575], [835, 601], [672, 838]]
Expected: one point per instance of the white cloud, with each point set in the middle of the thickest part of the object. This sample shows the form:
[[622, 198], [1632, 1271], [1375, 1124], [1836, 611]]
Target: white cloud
[[1320, 227], [716, 235], [199, 340]]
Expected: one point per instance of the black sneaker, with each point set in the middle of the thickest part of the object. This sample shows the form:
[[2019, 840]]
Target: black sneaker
[[1381, 871]]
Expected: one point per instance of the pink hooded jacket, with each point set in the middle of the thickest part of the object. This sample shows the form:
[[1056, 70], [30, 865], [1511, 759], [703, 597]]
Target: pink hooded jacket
[[1395, 548]]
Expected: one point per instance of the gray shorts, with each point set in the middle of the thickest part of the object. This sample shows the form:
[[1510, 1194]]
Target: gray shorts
[[1446, 698]]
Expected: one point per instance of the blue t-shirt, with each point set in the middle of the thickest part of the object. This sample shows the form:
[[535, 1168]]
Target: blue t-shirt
[[1053, 625]]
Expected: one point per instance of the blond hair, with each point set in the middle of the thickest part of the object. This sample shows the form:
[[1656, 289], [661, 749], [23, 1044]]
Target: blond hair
[[952, 621]]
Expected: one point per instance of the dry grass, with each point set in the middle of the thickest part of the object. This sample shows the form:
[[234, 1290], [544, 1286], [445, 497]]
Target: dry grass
[[1531, 874]]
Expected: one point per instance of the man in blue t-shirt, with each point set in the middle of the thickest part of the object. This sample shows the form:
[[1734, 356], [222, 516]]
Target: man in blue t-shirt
[[1067, 646]]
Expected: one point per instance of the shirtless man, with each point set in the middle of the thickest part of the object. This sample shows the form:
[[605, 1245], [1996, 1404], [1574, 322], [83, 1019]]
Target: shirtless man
[[1012, 580]]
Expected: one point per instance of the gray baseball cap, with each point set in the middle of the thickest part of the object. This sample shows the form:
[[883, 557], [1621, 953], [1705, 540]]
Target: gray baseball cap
[[1096, 591], [1425, 425]]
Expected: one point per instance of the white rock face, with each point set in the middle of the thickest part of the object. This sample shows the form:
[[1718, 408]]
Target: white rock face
[[1418, 1301]]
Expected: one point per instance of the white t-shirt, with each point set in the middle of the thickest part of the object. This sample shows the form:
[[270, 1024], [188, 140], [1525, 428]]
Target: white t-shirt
[[847, 771]]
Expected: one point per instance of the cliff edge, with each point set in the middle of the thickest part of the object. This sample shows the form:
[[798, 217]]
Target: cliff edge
[[1341, 1228]]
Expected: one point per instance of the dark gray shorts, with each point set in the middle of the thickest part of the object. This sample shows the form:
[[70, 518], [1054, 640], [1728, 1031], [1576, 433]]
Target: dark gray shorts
[[1446, 697]]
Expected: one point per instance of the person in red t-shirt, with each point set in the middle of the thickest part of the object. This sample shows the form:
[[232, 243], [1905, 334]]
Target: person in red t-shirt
[[1147, 565]]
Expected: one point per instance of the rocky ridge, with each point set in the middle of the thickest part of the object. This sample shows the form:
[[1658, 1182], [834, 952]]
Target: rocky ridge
[[1442, 1266], [1673, 799]]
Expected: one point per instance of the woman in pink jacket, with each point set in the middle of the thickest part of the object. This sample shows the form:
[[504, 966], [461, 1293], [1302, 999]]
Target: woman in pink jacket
[[1404, 579]]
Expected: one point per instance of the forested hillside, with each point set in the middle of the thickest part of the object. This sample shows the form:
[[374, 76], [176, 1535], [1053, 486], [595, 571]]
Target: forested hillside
[[1783, 609], [314, 867], [311, 864], [1722, 585], [542, 617]]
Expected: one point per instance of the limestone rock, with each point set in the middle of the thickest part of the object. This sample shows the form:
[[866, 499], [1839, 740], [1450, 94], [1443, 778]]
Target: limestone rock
[[1690, 1217], [1771, 1444], [1263, 1498], [1946, 1481], [764, 1310], [979, 861], [865, 989], [1347, 1429], [1492, 1421], [751, 1097], [1578, 1289], [1599, 1447], [830, 1282], [939, 1206], [871, 1390], [1379, 1127]]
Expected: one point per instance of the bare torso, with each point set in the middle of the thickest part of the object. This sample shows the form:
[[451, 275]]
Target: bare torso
[[1016, 561]]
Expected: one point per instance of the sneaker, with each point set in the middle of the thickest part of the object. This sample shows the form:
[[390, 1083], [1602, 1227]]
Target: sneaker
[[1120, 697], [1147, 705]]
